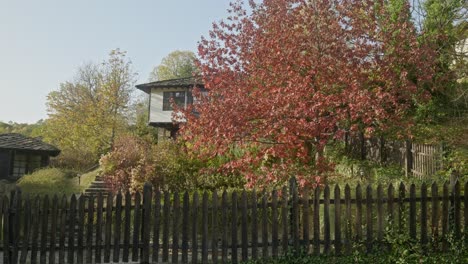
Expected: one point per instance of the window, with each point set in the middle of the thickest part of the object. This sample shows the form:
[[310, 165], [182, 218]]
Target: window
[[178, 97], [19, 165]]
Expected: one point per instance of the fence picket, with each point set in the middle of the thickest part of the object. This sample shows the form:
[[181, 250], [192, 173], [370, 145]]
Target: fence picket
[[118, 226], [358, 213], [44, 231], [244, 238], [435, 215], [294, 215], [254, 225], [337, 220], [185, 227], [136, 227], [445, 216], [166, 218], [274, 224], [63, 224], [224, 226], [424, 216], [89, 231], [146, 222], [6, 231], [305, 219], [15, 218], [127, 222], [401, 207], [175, 228], [205, 228], [81, 217], [456, 210], [380, 214], [53, 230], [316, 216], [26, 229], [412, 216], [156, 225], [265, 225], [326, 220], [97, 250], [284, 219], [369, 219], [234, 228], [348, 223], [465, 209], [195, 228], [214, 228], [108, 234]]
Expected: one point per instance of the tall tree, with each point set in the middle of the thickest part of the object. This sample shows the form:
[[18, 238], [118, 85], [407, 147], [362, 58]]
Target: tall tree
[[177, 64], [291, 75], [85, 114]]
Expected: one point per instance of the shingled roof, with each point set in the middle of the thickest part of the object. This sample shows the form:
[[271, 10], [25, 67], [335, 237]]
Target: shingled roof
[[173, 83], [14, 141]]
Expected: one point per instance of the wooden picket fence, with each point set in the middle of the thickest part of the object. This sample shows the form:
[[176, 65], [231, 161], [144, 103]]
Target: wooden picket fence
[[230, 227]]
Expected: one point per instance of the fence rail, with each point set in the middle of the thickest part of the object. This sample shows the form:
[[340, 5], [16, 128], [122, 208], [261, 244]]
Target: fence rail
[[227, 227]]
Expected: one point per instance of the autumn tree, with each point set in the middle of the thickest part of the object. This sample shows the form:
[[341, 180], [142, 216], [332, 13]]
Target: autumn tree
[[177, 64], [289, 76], [85, 114]]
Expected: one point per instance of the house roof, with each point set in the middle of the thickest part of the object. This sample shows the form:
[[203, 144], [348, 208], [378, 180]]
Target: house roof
[[14, 141], [173, 83]]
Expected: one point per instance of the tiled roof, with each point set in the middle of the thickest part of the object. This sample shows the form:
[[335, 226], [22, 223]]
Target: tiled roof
[[173, 83], [14, 141]]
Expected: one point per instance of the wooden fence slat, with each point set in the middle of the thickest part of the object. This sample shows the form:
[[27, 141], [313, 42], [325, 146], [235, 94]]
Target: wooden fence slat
[[53, 229], [89, 233], [445, 216], [175, 228], [118, 226], [97, 250], [15, 218], [369, 219], [456, 210], [412, 217], [44, 229], [284, 220], [424, 216], [337, 220], [380, 214], [294, 214], [244, 237], [234, 228], [348, 223], [185, 227], [205, 228], [326, 220], [390, 207], [254, 226], [156, 225], [265, 224], [358, 213], [26, 229], [401, 208], [166, 218], [81, 217], [108, 228], [195, 228], [6, 231], [127, 222], [274, 224], [214, 228], [316, 216], [146, 223], [136, 227], [305, 219], [224, 226], [63, 224], [435, 215]]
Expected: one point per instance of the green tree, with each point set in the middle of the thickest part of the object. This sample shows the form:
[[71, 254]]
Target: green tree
[[177, 64], [85, 114]]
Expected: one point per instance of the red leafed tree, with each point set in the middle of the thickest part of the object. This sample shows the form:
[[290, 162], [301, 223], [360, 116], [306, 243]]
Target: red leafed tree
[[288, 76]]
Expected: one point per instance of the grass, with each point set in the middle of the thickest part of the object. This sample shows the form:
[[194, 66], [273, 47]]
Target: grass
[[52, 181]]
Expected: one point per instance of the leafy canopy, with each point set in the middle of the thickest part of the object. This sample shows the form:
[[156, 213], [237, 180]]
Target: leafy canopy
[[290, 75]]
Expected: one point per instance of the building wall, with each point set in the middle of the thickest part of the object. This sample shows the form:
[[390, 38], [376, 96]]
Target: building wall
[[157, 115], [5, 162]]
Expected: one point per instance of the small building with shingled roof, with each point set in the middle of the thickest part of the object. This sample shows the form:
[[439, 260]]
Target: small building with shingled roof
[[20, 155]]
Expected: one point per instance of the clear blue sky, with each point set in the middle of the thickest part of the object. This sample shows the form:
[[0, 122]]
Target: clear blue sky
[[42, 43]]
